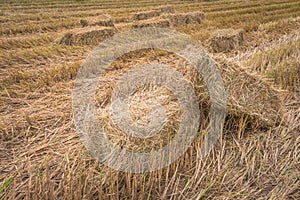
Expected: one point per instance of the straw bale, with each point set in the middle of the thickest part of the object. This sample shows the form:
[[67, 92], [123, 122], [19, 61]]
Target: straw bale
[[87, 36], [225, 40], [252, 103], [104, 20], [167, 9], [162, 23], [186, 18], [146, 15]]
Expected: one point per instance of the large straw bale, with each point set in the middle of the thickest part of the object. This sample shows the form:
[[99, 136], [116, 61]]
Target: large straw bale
[[252, 103]]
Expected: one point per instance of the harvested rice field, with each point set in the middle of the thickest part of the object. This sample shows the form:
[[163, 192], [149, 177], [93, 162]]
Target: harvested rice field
[[254, 46]]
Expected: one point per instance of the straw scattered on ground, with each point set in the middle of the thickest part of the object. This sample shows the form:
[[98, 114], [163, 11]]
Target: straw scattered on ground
[[257, 157]]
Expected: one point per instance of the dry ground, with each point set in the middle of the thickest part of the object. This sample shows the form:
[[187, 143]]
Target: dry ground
[[42, 157]]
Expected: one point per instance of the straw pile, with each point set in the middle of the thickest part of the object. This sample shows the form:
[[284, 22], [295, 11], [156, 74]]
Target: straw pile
[[87, 36], [146, 15], [186, 18], [251, 103], [226, 40], [250, 98], [162, 23], [105, 20], [167, 9]]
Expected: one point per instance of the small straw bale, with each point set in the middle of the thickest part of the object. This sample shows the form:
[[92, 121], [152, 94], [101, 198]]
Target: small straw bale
[[225, 40], [161, 23], [87, 36], [167, 9], [146, 15], [104, 20], [186, 18]]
